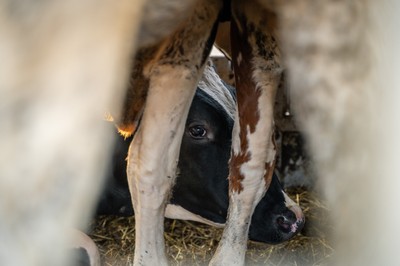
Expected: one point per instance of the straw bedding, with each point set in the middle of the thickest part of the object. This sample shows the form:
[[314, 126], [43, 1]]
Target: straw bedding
[[191, 243]]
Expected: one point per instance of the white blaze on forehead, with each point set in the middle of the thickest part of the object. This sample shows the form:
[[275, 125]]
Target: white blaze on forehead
[[294, 207], [288, 201]]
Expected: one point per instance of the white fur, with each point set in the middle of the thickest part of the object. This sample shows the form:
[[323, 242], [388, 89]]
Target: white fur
[[343, 73], [154, 151], [62, 65], [212, 84], [153, 157], [177, 212], [232, 247], [81, 240]]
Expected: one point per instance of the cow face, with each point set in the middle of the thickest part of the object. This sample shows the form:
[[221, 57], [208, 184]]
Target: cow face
[[202, 185], [276, 218], [201, 190]]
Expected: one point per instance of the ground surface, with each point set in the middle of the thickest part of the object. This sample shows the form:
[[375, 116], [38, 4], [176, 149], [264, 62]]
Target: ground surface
[[190, 243]]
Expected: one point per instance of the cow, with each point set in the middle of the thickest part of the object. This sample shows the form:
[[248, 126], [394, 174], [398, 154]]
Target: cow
[[56, 56], [172, 77], [201, 189]]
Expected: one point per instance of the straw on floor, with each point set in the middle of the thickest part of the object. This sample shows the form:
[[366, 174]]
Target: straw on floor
[[191, 243]]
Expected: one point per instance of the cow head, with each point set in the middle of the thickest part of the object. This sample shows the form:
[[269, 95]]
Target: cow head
[[201, 190]]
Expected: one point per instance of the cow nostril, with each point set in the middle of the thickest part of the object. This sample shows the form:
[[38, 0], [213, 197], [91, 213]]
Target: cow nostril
[[283, 224]]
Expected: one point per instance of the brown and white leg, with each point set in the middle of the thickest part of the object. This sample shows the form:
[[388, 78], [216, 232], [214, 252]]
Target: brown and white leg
[[257, 71], [154, 152]]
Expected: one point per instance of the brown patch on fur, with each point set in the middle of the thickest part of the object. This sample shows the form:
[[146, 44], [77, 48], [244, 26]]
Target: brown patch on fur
[[235, 176], [247, 101], [243, 31]]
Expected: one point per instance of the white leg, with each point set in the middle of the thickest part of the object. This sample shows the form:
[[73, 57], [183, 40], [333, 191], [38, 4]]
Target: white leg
[[152, 158], [154, 151]]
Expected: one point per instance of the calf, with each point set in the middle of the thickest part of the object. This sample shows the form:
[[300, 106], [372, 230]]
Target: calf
[[201, 189]]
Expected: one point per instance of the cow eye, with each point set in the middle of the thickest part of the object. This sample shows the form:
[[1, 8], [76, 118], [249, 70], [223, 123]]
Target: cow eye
[[198, 132]]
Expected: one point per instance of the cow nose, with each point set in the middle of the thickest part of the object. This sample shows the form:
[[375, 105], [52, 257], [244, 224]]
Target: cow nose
[[291, 221], [285, 221]]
